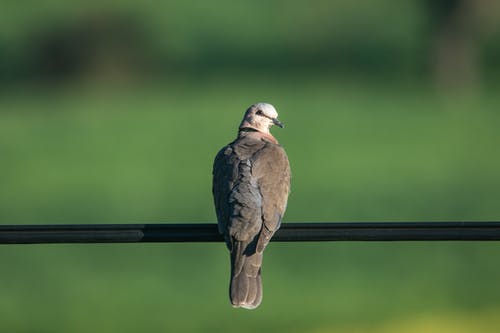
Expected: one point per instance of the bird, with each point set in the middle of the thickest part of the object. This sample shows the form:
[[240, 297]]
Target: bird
[[251, 184]]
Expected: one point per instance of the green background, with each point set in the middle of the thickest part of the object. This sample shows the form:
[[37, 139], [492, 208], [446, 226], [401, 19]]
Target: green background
[[368, 135]]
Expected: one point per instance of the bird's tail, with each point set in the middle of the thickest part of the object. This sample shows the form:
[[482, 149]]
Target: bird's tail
[[245, 289]]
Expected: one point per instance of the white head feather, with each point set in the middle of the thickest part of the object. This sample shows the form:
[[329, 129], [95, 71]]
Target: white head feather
[[260, 117]]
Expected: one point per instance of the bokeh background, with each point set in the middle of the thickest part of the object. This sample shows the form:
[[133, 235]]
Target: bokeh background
[[112, 112]]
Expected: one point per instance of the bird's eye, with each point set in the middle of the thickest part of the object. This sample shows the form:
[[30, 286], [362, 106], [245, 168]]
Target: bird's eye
[[259, 112]]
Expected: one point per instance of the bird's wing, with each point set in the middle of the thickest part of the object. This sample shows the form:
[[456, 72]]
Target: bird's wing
[[224, 175], [245, 199], [272, 172]]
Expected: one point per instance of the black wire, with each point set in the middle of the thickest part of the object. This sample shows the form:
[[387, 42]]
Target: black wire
[[289, 232]]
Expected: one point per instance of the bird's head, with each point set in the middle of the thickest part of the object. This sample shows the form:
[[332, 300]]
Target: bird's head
[[261, 117]]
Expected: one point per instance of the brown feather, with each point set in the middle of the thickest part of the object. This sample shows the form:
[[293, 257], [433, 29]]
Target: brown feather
[[251, 183]]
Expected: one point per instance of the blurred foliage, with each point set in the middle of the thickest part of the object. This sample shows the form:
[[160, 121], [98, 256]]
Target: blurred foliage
[[153, 38]]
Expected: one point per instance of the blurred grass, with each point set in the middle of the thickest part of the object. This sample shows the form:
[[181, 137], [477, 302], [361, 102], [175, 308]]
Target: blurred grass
[[431, 323], [358, 152]]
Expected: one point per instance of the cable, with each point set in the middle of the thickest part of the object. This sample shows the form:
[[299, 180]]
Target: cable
[[289, 232]]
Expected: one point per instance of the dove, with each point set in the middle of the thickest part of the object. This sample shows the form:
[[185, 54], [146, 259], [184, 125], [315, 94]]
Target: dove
[[251, 183]]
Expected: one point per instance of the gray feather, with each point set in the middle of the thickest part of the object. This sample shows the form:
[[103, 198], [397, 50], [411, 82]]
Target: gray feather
[[251, 182]]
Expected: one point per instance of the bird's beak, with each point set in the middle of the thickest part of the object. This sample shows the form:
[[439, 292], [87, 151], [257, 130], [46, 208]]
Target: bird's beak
[[278, 123]]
